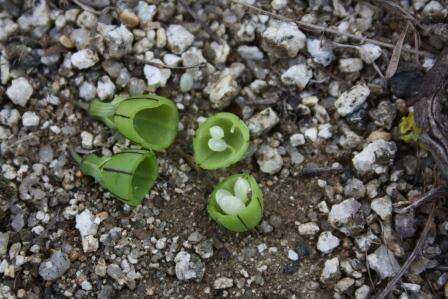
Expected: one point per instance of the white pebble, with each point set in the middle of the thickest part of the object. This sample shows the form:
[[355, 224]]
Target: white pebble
[[30, 119]]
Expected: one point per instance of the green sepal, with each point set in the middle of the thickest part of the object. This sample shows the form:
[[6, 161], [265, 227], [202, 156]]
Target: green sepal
[[249, 217], [129, 175], [236, 135], [148, 120]]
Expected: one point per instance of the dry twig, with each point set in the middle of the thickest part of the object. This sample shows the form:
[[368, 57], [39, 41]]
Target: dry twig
[[90, 9], [418, 247], [427, 197], [318, 28], [164, 66], [396, 54]]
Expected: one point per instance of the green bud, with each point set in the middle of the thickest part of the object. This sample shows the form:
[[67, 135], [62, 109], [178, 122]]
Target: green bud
[[240, 219], [148, 120], [220, 141], [128, 175]]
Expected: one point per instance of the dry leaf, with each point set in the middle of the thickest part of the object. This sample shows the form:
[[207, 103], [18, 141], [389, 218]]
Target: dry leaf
[[396, 53]]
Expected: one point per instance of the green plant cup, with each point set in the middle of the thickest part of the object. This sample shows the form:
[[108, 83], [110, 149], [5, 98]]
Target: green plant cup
[[249, 217], [128, 175], [236, 135], [148, 120]]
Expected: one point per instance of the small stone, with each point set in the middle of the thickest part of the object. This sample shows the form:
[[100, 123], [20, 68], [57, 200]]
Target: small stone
[[178, 38], [263, 122], [4, 240], [308, 229], [87, 91], [283, 39], [20, 91], [411, 287], [292, 255], [311, 134], [250, 52], [105, 88], [344, 284], [405, 225], [18, 222], [87, 19], [129, 18], [369, 52], [350, 65], [352, 100], [362, 292], [321, 53], [375, 157], [331, 270], [219, 52], [84, 59], [354, 188], [406, 84], [186, 82], [30, 119], [279, 4], [86, 140], [87, 286], [384, 114], [297, 139], [155, 76], [347, 217], [54, 267], [89, 243], [269, 159], [223, 91], [383, 262], [222, 283], [327, 242], [119, 41], [115, 272], [325, 131], [383, 207], [298, 75], [85, 223], [204, 249], [146, 12], [189, 266]]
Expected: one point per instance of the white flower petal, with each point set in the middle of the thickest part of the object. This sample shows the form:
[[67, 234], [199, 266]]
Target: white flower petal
[[222, 193], [217, 145], [216, 132], [241, 189], [230, 205]]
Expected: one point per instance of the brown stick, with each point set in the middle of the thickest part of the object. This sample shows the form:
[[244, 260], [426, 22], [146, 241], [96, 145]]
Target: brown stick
[[427, 197], [334, 31], [418, 247], [164, 66]]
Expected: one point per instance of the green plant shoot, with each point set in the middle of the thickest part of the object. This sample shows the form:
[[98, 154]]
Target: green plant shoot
[[128, 175], [236, 203], [409, 132], [148, 120], [220, 141]]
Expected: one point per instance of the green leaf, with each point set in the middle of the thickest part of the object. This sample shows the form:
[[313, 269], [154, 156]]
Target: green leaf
[[249, 217], [409, 131], [148, 120], [128, 175], [236, 136]]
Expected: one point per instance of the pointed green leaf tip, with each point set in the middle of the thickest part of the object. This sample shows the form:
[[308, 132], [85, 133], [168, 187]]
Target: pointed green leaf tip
[[148, 120], [243, 219], [128, 175], [212, 149]]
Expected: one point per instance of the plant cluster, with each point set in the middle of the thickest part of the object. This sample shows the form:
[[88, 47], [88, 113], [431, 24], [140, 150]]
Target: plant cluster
[[151, 122]]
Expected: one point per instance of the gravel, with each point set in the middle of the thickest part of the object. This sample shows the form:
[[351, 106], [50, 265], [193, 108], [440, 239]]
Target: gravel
[[20, 91], [383, 262], [55, 266]]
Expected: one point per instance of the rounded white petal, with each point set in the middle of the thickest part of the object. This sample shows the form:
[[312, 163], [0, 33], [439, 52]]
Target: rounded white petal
[[216, 132], [217, 145], [222, 193], [230, 205], [241, 189]]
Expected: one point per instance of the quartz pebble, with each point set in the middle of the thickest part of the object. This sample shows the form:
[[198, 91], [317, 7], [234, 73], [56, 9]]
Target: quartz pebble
[[20, 91], [327, 242], [263, 122]]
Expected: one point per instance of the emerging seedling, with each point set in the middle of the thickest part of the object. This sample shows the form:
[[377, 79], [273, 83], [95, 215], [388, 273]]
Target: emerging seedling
[[148, 120], [128, 175], [236, 203], [409, 131], [220, 141]]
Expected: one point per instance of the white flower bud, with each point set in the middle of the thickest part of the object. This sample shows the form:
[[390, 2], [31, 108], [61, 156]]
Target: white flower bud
[[229, 204], [241, 189], [216, 132], [217, 145]]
